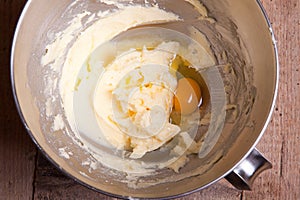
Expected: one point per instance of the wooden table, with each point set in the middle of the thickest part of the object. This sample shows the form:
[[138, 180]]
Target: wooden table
[[26, 174]]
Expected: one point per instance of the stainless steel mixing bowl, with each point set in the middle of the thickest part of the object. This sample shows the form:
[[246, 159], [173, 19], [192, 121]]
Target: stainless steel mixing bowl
[[240, 164]]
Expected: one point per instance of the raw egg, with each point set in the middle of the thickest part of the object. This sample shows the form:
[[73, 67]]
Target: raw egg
[[187, 96]]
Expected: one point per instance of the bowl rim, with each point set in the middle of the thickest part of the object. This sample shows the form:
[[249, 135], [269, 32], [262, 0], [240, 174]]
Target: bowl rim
[[15, 96]]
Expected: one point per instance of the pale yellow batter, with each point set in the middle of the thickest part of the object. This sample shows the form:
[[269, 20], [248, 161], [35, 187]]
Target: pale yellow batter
[[130, 119]]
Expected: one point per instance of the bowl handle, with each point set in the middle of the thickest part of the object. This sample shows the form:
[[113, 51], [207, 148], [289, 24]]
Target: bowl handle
[[243, 176]]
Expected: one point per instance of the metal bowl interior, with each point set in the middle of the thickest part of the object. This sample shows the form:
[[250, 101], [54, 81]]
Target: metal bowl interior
[[253, 28]]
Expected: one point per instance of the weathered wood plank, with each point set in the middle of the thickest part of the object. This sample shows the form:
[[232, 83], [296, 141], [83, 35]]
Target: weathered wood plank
[[17, 152], [281, 141], [50, 183], [218, 191]]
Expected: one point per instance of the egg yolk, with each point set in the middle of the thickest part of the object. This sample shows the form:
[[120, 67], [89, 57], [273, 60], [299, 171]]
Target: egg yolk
[[187, 96]]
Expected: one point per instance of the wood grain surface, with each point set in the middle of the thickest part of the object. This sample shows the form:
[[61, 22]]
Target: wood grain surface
[[26, 174]]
